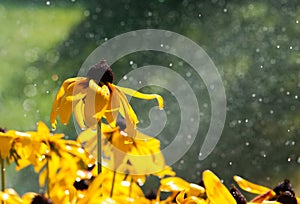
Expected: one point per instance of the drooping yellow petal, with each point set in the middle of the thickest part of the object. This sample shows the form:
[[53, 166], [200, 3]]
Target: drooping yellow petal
[[216, 192], [137, 94], [79, 114], [6, 143], [96, 102], [57, 101], [250, 187], [128, 113]]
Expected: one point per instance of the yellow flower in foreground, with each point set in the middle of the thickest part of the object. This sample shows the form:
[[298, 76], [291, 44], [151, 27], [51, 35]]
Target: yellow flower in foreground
[[283, 192], [10, 141], [140, 155], [94, 97]]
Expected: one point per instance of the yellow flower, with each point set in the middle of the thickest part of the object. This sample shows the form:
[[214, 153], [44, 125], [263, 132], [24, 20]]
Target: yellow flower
[[138, 156], [282, 192], [10, 143], [94, 97]]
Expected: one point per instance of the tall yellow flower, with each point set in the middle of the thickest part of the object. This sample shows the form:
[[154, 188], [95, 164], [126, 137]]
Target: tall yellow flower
[[94, 97]]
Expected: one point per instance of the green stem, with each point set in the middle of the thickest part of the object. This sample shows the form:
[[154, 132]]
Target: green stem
[[2, 174], [113, 184], [99, 150]]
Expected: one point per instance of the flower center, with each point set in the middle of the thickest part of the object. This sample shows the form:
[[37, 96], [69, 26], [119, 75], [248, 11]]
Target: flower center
[[2, 130], [101, 72]]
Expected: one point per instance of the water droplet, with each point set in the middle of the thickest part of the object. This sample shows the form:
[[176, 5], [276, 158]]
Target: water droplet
[[170, 64], [125, 77], [149, 13], [289, 159], [260, 99], [54, 77], [48, 3], [131, 62], [86, 13], [288, 130], [225, 10], [257, 50], [297, 21], [246, 120], [271, 111], [188, 74], [140, 82], [288, 93], [161, 45], [247, 143], [296, 96], [253, 95], [230, 163], [291, 47], [277, 46], [199, 15], [261, 66], [105, 39], [239, 121]]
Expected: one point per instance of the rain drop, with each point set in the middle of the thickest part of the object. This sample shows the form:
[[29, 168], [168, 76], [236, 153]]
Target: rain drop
[[291, 47], [131, 62], [199, 15], [289, 159], [161, 45], [261, 66], [297, 21], [296, 97], [225, 10], [48, 3], [170, 64], [271, 111], [278, 46], [230, 163], [253, 95], [125, 77]]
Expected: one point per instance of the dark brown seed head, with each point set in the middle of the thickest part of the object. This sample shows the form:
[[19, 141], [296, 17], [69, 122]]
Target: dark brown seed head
[[2, 130], [101, 72], [286, 198], [82, 184], [238, 196], [41, 199], [283, 187]]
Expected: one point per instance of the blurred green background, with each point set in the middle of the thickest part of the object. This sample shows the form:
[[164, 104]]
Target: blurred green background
[[254, 44]]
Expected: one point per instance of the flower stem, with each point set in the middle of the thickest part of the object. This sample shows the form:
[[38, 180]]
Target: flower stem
[[2, 165], [113, 184], [99, 150]]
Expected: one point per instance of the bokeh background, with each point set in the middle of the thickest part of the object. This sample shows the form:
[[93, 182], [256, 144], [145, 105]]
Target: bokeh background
[[254, 44]]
